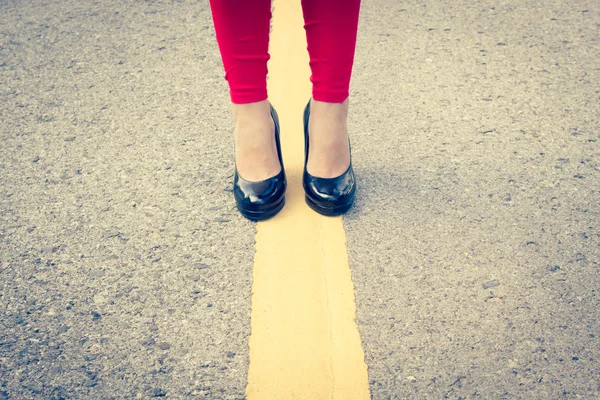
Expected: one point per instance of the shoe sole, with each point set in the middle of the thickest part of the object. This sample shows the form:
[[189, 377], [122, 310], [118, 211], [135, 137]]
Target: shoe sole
[[329, 211], [262, 214]]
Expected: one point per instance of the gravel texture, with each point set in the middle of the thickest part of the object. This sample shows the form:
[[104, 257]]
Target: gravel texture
[[125, 271], [474, 243]]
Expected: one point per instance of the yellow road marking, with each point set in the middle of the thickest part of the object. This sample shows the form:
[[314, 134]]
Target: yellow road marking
[[304, 342]]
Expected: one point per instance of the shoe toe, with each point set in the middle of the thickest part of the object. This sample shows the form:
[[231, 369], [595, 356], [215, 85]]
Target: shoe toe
[[331, 192], [256, 196]]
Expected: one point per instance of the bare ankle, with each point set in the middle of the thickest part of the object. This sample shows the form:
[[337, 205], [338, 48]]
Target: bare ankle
[[248, 111], [329, 110]]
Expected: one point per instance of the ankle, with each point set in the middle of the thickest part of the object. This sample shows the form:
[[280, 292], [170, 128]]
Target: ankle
[[251, 111], [336, 111]]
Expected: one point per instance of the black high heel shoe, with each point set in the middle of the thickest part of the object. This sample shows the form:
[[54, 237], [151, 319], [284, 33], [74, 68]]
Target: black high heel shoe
[[327, 196], [259, 200]]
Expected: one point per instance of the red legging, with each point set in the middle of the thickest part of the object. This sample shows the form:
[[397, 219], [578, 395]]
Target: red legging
[[242, 29]]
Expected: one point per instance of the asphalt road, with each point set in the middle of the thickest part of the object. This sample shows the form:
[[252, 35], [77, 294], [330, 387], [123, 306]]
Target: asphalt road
[[125, 270]]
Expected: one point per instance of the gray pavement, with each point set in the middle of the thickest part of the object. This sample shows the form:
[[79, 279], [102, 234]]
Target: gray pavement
[[475, 245], [125, 270]]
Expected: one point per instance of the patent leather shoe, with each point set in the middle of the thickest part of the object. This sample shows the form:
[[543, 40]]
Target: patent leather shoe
[[259, 200], [327, 196]]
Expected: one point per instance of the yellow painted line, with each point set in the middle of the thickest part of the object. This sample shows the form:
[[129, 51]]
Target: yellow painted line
[[304, 342]]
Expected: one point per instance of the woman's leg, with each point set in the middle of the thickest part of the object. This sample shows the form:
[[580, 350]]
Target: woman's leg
[[331, 31], [242, 30]]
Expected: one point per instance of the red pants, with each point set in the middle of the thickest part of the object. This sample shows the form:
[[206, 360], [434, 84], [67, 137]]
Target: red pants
[[242, 29]]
